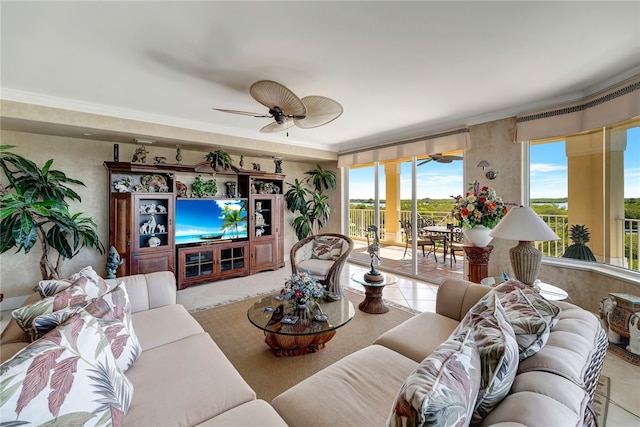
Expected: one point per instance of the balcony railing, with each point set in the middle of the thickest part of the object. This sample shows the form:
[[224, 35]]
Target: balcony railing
[[360, 219]]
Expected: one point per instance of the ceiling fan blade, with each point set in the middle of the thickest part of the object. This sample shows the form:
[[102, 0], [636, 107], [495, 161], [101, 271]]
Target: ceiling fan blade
[[320, 111], [277, 127], [244, 113], [272, 94], [424, 161]]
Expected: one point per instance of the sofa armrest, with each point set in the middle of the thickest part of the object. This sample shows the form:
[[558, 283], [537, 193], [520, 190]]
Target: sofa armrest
[[455, 297], [150, 290]]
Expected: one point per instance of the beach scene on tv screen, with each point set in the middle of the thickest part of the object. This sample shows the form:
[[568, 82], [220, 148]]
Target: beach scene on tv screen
[[202, 220]]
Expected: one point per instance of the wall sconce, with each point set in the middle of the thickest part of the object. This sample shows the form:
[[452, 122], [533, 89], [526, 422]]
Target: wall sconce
[[490, 174]]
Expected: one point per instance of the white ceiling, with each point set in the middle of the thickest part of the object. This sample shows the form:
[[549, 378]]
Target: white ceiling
[[400, 69]]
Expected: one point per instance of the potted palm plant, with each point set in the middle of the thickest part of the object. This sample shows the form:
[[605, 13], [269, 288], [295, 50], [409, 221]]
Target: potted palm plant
[[34, 208], [307, 199]]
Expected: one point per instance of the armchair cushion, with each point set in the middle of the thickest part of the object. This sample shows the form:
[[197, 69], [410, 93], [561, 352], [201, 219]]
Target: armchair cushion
[[315, 267]]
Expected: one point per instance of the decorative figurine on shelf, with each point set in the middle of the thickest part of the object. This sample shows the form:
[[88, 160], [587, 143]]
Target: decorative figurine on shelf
[[231, 189], [256, 166], [122, 185], [140, 155], [241, 161], [181, 189], [178, 154], [159, 160], [278, 162], [113, 262], [373, 276]]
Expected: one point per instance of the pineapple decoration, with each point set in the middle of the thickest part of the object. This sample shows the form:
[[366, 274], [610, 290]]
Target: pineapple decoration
[[579, 249]]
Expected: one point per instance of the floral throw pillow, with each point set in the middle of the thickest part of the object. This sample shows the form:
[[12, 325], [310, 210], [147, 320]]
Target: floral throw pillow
[[498, 350], [442, 390], [113, 311], [68, 377], [326, 248]]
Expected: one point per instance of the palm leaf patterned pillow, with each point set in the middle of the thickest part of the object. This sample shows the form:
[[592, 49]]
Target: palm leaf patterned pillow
[[68, 377], [498, 350], [442, 390]]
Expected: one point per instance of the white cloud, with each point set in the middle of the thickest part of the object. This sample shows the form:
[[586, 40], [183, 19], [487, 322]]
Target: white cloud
[[546, 167]]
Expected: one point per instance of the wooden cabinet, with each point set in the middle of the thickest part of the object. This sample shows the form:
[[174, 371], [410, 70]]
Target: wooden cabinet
[[206, 263], [266, 222], [141, 216]]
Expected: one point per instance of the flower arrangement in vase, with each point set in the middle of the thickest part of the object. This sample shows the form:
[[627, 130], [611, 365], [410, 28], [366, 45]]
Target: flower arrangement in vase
[[301, 288], [480, 208]]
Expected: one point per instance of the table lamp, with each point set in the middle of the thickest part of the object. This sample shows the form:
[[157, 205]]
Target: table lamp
[[523, 224]]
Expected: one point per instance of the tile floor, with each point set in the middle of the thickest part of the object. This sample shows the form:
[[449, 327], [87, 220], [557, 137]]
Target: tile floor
[[624, 403]]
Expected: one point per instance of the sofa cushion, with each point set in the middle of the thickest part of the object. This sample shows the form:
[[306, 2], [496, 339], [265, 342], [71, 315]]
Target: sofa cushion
[[256, 413], [326, 248], [184, 383], [164, 325], [113, 311], [419, 336], [357, 390], [69, 375], [443, 389], [498, 349], [315, 267]]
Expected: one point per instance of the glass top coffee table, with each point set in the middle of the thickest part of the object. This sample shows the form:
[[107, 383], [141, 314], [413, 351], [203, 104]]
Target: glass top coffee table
[[373, 302], [291, 335]]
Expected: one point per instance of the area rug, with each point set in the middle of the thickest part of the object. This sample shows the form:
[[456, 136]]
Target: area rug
[[244, 345]]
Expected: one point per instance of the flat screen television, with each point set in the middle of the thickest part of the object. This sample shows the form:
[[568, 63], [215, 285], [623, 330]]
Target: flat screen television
[[207, 220]]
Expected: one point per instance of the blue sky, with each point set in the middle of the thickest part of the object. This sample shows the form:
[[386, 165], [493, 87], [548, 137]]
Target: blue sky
[[548, 174]]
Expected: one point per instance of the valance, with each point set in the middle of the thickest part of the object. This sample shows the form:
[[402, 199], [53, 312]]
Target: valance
[[451, 140], [614, 105]]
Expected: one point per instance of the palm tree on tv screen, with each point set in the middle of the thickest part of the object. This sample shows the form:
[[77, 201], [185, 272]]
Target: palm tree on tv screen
[[233, 217]]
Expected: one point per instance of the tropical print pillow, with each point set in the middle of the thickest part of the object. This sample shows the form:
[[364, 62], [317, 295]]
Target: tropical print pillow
[[442, 390], [93, 285], [113, 311], [498, 350], [530, 327], [326, 248], [548, 310], [68, 377], [68, 301]]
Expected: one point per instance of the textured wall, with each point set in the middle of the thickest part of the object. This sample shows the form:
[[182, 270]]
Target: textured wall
[[83, 159]]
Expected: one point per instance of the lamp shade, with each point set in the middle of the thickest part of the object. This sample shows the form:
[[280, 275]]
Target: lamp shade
[[523, 224]]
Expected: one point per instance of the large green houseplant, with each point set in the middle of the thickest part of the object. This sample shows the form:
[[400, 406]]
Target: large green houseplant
[[33, 208], [307, 199]]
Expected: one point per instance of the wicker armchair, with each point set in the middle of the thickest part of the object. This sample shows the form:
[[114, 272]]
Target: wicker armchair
[[322, 256]]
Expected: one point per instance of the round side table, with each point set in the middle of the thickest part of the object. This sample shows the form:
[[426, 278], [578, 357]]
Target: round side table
[[373, 302]]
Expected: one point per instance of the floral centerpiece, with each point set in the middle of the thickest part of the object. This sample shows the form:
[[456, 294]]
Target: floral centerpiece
[[301, 288], [480, 206]]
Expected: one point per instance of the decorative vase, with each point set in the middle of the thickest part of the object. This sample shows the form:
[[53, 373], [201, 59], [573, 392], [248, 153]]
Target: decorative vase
[[303, 312], [478, 235]]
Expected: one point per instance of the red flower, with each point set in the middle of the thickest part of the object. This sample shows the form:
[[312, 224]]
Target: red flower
[[482, 199], [464, 212]]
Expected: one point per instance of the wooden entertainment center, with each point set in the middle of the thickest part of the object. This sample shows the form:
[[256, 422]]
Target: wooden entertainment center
[[142, 216]]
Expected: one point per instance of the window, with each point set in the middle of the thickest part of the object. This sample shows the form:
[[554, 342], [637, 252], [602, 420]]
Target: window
[[590, 179]]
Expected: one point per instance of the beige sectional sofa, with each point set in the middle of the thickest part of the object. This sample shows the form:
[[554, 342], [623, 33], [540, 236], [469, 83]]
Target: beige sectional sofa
[[555, 387], [182, 378]]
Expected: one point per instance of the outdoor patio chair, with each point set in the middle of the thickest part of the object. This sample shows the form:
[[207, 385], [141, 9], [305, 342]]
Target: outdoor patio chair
[[456, 243], [422, 241]]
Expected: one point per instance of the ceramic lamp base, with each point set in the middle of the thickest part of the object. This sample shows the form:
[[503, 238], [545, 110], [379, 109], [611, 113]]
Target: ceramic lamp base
[[525, 261]]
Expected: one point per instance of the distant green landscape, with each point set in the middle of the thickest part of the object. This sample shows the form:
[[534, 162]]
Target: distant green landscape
[[542, 206]]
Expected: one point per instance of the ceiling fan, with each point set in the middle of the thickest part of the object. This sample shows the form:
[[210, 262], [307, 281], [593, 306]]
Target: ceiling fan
[[440, 158], [287, 109]]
